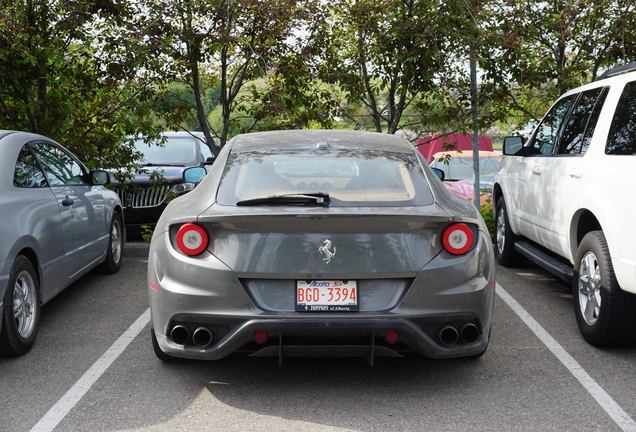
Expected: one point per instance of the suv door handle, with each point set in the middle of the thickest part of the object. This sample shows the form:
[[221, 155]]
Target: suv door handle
[[576, 173], [536, 170], [67, 202]]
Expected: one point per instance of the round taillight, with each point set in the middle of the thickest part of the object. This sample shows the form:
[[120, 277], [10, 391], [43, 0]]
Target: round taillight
[[192, 239], [458, 239]]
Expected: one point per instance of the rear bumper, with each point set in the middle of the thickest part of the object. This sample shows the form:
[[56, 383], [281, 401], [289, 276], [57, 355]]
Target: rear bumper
[[203, 291], [412, 335]]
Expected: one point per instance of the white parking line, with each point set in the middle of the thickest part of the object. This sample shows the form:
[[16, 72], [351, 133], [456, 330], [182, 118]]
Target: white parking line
[[609, 405], [64, 405]]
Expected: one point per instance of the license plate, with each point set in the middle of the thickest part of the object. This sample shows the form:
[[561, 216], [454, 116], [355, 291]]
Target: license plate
[[326, 296]]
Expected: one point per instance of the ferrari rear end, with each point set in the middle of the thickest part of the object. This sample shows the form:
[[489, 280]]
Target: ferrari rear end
[[320, 243]]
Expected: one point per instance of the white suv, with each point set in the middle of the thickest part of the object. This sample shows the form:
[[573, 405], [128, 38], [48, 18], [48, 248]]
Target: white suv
[[566, 199]]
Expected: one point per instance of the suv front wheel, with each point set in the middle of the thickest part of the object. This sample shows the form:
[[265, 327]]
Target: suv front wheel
[[604, 312], [504, 237]]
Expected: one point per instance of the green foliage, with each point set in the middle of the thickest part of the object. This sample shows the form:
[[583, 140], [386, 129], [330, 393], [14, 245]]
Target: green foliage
[[382, 53], [62, 76], [90, 73], [486, 212], [146, 233]]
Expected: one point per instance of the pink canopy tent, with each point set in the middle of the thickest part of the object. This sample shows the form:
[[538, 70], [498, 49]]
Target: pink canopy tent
[[432, 144]]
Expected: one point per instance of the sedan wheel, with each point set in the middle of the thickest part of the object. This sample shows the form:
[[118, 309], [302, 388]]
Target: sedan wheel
[[116, 241], [21, 309], [24, 310], [114, 253]]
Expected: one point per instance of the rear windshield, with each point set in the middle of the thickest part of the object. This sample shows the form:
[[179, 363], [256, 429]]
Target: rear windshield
[[354, 178]]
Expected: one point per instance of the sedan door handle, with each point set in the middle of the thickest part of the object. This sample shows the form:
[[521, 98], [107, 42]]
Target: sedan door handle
[[576, 173], [537, 170], [67, 202]]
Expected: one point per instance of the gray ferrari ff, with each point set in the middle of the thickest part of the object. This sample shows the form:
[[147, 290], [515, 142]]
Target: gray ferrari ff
[[320, 243]]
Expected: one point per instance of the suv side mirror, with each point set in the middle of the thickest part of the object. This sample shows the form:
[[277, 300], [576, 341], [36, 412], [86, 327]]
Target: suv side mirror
[[209, 161], [513, 145], [439, 173], [99, 177], [194, 174]]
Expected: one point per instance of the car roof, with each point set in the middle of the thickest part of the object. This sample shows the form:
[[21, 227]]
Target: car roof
[[613, 80], [25, 136], [4, 133], [304, 139]]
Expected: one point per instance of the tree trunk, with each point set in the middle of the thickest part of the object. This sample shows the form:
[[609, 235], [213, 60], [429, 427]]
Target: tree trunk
[[475, 117], [224, 99], [196, 89]]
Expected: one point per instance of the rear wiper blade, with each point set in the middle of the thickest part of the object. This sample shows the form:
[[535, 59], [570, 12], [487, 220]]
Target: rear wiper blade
[[318, 198]]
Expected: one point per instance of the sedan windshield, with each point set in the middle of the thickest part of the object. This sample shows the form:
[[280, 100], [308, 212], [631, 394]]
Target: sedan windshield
[[349, 177], [172, 151], [461, 168]]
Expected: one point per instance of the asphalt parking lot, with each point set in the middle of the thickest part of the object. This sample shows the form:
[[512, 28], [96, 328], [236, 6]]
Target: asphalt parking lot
[[537, 377]]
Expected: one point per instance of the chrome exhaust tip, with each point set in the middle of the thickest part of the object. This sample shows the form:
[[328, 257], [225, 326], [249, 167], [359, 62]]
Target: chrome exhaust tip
[[469, 332], [202, 337], [180, 334], [448, 335]]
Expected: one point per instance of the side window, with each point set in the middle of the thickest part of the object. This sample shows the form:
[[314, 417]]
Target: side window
[[27, 172], [578, 131], [205, 151], [622, 135], [545, 138], [60, 167]]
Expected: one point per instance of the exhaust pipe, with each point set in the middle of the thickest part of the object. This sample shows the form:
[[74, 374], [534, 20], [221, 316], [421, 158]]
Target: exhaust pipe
[[470, 332], [202, 337], [180, 334], [448, 335]]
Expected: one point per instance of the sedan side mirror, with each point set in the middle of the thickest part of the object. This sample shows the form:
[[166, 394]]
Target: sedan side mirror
[[439, 173], [194, 174], [513, 145], [99, 177]]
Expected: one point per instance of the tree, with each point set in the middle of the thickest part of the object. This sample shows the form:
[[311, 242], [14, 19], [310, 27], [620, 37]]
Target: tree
[[61, 77], [383, 53], [551, 46], [222, 43]]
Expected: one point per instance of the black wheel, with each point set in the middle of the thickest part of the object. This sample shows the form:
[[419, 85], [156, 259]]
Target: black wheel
[[155, 346], [21, 309], [605, 314], [112, 263], [504, 238]]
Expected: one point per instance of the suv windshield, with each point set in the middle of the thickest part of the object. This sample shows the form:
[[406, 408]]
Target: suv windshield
[[357, 178], [171, 151]]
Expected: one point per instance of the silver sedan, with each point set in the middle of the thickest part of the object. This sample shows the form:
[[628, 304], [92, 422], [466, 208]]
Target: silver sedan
[[58, 223], [319, 242]]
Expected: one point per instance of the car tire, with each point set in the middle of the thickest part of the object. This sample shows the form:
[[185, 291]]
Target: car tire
[[604, 312], [115, 250], [505, 239], [18, 333], [157, 349]]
